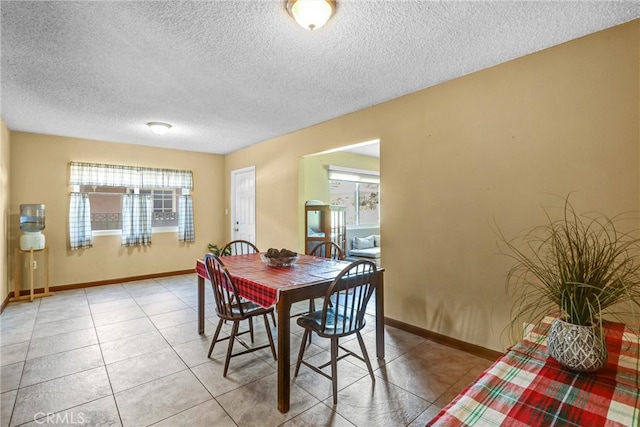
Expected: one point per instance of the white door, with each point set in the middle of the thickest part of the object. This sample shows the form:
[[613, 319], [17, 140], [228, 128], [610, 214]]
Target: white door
[[243, 204]]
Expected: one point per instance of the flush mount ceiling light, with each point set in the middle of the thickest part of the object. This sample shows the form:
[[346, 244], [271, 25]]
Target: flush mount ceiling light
[[311, 14], [159, 128]]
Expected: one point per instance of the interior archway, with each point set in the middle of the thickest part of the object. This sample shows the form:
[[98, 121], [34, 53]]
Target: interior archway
[[314, 184]]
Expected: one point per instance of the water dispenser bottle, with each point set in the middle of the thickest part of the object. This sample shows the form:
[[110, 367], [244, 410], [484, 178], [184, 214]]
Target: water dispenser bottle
[[32, 223]]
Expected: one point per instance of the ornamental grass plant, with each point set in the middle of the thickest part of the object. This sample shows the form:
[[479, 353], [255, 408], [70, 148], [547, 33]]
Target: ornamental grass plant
[[578, 267]]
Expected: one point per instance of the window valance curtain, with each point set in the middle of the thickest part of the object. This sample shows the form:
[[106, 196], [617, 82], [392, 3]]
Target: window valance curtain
[[128, 176]]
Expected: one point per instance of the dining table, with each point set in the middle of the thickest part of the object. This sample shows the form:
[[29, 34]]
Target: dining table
[[264, 285], [527, 387]]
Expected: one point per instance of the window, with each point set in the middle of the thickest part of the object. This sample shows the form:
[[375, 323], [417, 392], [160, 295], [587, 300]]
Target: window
[[165, 213], [106, 206], [359, 191], [134, 200]]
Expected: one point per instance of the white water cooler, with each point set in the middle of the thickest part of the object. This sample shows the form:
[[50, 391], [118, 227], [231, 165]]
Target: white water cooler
[[32, 224]]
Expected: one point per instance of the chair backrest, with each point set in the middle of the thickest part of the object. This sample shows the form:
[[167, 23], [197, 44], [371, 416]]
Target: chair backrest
[[239, 247], [345, 302], [328, 250], [224, 290]]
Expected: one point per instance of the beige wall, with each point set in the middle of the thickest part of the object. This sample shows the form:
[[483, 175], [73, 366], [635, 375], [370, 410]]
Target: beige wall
[[4, 204], [39, 174], [491, 146]]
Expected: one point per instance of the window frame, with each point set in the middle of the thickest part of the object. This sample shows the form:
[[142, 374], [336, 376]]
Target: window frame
[[154, 230], [174, 206], [136, 230]]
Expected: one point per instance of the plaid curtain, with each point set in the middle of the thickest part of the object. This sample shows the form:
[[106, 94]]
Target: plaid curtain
[[186, 230], [80, 221], [128, 176], [137, 210]]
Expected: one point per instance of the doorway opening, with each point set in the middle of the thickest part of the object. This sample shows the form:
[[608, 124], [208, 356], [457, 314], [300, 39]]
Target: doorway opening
[[348, 176]]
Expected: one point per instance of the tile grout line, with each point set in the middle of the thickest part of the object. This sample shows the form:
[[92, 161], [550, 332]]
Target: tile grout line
[[113, 395], [15, 402], [187, 368]]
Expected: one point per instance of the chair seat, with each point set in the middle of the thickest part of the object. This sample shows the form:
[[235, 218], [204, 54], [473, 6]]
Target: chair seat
[[313, 321], [249, 308]]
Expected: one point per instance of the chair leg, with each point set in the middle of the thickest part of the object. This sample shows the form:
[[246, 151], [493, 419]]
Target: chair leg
[[232, 337], [215, 337], [365, 355], [251, 328], [334, 369], [273, 316], [301, 352], [266, 325]]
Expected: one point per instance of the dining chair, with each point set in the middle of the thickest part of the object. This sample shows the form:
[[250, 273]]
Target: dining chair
[[239, 247], [328, 250], [342, 314], [243, 247], [230, 307]]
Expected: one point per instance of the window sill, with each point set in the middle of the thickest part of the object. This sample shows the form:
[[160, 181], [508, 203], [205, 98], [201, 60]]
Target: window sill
[[363, 226], [154, 230]]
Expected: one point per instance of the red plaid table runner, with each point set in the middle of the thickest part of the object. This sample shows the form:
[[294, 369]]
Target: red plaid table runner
[[261, 284], [526, 387]]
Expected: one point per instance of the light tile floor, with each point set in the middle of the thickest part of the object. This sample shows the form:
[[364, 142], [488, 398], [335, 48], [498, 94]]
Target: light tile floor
[[130, 355]]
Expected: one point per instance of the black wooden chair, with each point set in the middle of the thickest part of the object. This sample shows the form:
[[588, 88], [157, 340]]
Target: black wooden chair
[[328, 250], [342, 314], [243, 247], [239, 247], [229, 307]]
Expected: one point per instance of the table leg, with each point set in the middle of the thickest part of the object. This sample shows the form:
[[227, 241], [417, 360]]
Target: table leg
[[200, 305], [380, 317], [284, 349]]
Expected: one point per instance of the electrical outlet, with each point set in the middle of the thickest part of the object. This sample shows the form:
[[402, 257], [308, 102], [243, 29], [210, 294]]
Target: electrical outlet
[[35, 265]]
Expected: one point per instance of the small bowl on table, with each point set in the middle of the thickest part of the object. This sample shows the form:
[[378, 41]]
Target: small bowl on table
[[279, 262]]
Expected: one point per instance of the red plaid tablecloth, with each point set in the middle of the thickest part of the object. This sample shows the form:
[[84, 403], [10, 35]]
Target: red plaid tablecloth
[[261, 284], [526, 387]]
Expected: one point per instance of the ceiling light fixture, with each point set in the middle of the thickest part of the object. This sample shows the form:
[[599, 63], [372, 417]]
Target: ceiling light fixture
[[159, 128], [311, 14]]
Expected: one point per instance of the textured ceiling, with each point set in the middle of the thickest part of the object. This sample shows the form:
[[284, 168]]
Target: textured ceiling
[[229, 74]]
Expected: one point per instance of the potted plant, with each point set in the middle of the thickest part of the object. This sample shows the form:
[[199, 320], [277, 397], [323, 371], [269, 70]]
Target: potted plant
[[217, 251], [580, 268]]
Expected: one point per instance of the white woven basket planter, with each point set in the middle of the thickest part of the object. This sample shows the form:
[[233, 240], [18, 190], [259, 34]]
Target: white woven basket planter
[[579, 348]]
